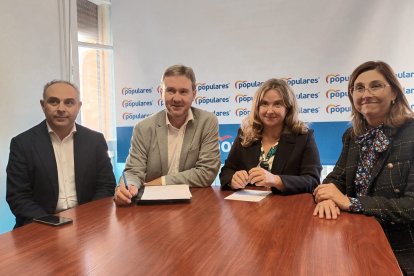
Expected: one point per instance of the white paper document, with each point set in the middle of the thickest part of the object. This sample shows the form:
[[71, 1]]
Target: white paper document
[[248, 195], [181, 191]]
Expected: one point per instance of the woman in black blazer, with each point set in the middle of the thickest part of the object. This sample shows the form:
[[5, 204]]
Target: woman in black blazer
[[375, 174], [273, 147]]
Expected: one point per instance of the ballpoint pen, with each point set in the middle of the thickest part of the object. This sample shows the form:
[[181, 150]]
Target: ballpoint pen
[[125, 181]]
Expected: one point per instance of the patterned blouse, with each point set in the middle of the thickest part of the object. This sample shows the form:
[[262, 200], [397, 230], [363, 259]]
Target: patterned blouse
[[371, 145], [266, 160]]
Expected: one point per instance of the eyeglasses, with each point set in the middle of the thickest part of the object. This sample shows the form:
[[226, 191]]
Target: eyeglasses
[[373, 87]]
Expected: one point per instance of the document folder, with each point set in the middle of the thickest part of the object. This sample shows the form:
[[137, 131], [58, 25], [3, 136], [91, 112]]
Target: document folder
[[164, 194]]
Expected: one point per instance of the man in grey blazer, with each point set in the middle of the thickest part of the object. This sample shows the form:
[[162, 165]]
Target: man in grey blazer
[[178, 145]]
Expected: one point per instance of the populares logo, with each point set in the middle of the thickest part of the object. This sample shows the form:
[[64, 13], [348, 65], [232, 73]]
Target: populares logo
[[245, 84], [336, 78], [293, 82], [129, 103], [240, 112], [227, 134], [405, 75], [408, 90], [331, 109], [308, 95], [309, 110], [243, 98], [204, 100], [226, 142], [131, 116], [160, 102], [332, 93], [225, 137], [202, 86], [222, 113], [133, 91]]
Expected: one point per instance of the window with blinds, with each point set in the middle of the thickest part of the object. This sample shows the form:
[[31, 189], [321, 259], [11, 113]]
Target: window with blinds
[[95, 51]]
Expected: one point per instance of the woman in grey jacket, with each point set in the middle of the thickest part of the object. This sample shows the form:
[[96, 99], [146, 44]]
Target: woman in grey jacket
[[374, 174]]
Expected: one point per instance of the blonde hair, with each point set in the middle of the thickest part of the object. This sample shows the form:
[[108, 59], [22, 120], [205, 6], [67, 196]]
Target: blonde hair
[[252, 126], [400, 111]]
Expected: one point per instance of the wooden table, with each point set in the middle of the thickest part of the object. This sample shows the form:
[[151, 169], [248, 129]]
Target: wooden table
[[209, 236]]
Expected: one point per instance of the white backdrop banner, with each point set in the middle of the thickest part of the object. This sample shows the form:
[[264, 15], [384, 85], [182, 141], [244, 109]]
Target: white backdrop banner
[[233, 46]]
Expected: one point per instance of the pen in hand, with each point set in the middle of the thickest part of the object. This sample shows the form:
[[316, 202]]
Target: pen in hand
[[249, 172], [125, 181]]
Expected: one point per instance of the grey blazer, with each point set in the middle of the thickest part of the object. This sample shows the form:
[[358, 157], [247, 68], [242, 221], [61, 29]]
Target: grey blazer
[[390, 195], [200, 155]]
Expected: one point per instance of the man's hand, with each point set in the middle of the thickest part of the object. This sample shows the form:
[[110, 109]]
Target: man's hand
[[122, 195]]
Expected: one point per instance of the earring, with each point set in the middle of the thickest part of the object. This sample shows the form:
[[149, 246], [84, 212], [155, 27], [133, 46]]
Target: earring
[[393, 102]]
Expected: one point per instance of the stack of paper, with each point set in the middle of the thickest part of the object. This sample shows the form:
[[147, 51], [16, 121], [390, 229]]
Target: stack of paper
[[248, 195], [166, 193]]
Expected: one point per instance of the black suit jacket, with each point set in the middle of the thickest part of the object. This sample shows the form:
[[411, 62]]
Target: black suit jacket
[[32, 178], [390, 195], [296, 162]]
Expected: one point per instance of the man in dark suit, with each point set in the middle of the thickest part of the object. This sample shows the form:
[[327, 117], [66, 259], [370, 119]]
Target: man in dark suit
[[57, 164]]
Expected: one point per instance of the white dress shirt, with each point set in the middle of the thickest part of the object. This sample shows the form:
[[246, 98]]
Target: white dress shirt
[[175, 143], [66, 169]]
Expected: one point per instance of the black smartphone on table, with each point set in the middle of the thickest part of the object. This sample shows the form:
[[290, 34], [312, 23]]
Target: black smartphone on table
[[53, 220]]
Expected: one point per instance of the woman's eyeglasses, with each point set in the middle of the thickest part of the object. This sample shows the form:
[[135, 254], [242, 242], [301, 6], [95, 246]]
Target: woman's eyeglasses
[[373, 87]]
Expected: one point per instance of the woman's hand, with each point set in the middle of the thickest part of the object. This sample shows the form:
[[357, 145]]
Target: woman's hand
[[327, 209], [261, 177], [239, 180], [330, 191]]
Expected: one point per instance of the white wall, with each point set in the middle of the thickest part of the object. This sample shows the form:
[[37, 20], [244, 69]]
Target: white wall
[[219, 37], [30, 56]]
